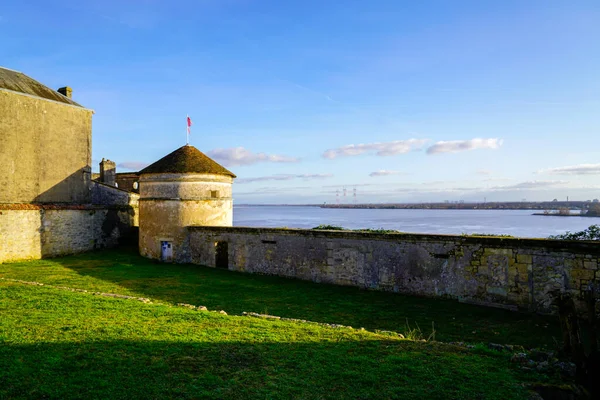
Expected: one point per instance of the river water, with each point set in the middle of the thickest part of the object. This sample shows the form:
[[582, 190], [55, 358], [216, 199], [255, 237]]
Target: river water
[[519, 223]]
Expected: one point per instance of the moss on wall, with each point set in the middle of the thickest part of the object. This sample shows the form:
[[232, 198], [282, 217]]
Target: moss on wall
[[505, 272]]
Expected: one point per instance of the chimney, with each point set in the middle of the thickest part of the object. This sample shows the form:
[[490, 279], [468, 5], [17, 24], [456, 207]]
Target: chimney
[[66, 91], [108, 170]]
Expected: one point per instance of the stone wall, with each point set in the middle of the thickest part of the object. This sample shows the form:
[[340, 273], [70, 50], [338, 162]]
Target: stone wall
[[504, 272], [127, 180], [32, 232], [106, 195], [45, 150]]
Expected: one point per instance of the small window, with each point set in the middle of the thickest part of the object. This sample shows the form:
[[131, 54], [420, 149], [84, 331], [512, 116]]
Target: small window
[[214, 194]]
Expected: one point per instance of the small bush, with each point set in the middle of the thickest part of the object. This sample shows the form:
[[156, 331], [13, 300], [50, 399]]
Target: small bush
[[380, 230], [488, 235], [591, 233], [367, 230], [329, 228]]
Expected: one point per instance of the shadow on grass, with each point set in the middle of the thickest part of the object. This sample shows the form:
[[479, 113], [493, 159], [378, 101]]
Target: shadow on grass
[[236, 292], [155, 370]]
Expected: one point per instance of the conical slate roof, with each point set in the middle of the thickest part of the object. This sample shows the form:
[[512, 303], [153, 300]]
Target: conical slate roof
[[186, 160]]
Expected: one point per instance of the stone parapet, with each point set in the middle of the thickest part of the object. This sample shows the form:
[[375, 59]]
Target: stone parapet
[[33, 233], [511, 273]]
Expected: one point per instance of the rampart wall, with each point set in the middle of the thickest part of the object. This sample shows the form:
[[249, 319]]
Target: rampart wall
[[109, 196], [36, 231], [504, 272]]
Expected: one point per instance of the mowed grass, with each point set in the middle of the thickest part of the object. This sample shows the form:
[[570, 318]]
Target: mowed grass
[[125, 272], [57, 344]]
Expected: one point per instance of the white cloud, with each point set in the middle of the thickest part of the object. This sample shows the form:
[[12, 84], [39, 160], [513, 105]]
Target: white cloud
[[272, 190], [134, 165], [456, 146], [383, 172], [581, 169], [499, 179], [242, 156], [436, 183], [381, 149], [531, 185], [353, 185], [283, 177], [483, 172]]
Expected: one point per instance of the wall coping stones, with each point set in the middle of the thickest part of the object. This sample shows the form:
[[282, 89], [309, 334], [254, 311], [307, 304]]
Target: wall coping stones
[[183, 200], [588, 247], [133, 194], [57, 206]]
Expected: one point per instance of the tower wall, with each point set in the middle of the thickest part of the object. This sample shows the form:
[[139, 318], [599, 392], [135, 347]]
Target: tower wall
[[169, 203]]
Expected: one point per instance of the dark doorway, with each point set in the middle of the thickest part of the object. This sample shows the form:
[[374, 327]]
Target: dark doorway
[[221, 255]]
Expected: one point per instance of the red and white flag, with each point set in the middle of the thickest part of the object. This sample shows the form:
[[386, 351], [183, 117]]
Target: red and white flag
[[189, 124]]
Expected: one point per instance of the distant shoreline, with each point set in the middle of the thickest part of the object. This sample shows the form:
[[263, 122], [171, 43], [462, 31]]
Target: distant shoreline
[[535, 206], [567, 215], [549, 207]]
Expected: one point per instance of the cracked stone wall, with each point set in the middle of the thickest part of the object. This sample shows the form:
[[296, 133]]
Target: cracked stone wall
[[503, 272]]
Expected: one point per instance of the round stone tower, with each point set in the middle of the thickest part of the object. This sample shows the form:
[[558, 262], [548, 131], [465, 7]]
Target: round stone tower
[[182, 189]]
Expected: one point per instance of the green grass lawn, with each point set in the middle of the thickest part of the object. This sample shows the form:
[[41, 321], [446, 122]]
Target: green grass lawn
[[57, 344], [125, 272]]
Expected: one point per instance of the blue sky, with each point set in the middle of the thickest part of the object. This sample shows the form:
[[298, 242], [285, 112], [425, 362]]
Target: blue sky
[[402, 100]]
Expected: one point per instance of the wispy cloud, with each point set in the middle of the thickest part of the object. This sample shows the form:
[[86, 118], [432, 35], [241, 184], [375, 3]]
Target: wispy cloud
[[316, 92], [272, 190], [242, 156], [380, 149], [581, 169], [483, 172], [456, 146], [531, 185], [384, 172], [435, 183], [134, 165], [496, 179], [283, 177], [350, 185]]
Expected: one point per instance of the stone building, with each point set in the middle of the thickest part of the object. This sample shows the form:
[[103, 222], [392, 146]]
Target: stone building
[[182, 189], [45, 143], [50, 206], [47, 197], [128, 181]]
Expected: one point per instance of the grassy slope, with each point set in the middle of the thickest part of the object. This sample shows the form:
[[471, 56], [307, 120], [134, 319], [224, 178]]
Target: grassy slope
[[60, 344], [125, 272]]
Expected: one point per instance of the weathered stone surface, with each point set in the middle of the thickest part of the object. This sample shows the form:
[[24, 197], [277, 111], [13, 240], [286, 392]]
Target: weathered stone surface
[[40, 232], [507, 273], [169, 203], [53, 144]]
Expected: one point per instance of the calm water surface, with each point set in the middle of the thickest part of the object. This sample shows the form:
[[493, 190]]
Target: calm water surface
[[510, 222]]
